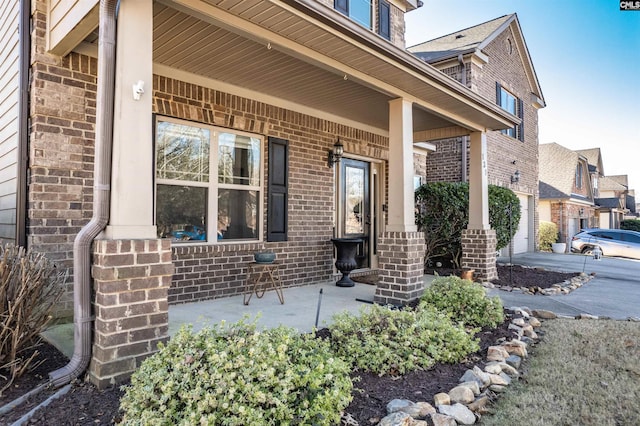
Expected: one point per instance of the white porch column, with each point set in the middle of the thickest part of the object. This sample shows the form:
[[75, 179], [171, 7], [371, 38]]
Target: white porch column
[[401, 211], [478, 182], [479, 240], [132, 169]]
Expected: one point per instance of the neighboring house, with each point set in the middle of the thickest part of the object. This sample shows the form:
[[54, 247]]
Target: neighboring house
[[566, 192], [201, 133], [492, 60], [612, 201]]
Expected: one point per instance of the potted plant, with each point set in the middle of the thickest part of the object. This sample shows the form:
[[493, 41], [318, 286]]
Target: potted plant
[[558, 247]]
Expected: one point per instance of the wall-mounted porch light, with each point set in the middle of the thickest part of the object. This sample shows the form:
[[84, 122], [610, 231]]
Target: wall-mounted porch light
[[515, 178], [335, 154]]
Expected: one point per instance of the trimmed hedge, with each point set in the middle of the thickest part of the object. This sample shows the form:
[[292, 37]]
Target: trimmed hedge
[[630, 225], [238, 375], [443, 212], [382, 340], [464, 301], [547, 235]]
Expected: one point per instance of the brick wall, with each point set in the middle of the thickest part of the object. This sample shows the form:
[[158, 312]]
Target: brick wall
[[479, 253], [60, 194], [131, 279], [445, 163], [400, 279], [216, 270]]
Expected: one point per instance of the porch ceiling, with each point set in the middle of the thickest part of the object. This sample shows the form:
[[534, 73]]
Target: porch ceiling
[[275, 48]]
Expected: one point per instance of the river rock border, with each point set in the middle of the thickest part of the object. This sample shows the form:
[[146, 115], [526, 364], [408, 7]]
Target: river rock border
[[565, 287], [467, 402]]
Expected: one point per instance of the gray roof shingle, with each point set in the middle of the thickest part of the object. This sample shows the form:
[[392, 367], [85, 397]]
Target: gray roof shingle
[[462, 41]]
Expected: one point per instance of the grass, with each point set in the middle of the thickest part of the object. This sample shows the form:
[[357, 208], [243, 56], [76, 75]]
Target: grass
[[584, 372]]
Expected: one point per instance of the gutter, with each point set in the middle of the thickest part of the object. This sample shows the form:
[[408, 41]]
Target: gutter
[[83, 320], [24, 36]]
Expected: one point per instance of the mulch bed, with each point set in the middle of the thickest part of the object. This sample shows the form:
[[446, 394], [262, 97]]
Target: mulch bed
[[84, 404], [517, 276]]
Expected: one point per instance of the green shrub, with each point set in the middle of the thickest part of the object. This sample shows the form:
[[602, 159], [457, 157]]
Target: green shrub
[[443, 212], [237, 375], [630, 225], [464, 301], [547, 235], [387, 341], [499, 200]]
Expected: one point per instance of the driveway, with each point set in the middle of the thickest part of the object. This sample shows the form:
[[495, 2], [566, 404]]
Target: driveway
[[614, 292]]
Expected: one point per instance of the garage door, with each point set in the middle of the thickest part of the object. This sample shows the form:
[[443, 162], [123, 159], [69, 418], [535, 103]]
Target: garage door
[[521, 239]]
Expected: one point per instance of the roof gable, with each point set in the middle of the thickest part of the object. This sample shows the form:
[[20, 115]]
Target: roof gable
[[474, 40], [594, 158], [557, 171]]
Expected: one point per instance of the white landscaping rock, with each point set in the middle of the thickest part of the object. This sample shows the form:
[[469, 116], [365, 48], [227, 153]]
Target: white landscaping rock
[[459, 412], [497, 353], [479, 405], [473, 385], [493, 368], [441, 399], [396, 405], [397, 419], [497, 379], [541, 313], [441, 420], [514, 347], [461, 394]]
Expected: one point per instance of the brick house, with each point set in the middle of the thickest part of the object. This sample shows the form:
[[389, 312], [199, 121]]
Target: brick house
[[112, 139], [567, 189], [492, 60]]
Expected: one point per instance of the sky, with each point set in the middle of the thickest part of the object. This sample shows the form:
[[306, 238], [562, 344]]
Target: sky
[[587, 58]]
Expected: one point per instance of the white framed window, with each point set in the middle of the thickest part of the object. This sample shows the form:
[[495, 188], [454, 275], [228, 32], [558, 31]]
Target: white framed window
[[208, 182], [358, 10], [510, 103], [579, 175]]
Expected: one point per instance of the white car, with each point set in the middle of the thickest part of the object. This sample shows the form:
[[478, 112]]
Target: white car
[[612, 242]]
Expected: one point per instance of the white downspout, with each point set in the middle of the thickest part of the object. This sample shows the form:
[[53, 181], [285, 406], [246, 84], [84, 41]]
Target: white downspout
[[83, 320]]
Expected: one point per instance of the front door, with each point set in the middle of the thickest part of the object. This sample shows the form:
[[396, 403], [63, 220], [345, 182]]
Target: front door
[[355, 217]]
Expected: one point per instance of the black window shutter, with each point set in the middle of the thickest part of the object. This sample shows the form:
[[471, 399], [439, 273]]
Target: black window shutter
[[521, 115], [498, 94], [384, 19], [342, 6], [277, 189]]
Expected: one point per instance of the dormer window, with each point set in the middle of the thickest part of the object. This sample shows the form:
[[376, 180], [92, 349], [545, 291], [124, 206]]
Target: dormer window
[[358, 10]]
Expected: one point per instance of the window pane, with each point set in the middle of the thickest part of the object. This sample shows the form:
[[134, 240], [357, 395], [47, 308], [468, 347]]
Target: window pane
[[360, 11], [237, 214], [238, 159], [182, 152], [354, 200], [181, 212]]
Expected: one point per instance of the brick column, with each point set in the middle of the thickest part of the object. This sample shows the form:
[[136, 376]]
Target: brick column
[[479, 252], [131, 279], [401, 262]]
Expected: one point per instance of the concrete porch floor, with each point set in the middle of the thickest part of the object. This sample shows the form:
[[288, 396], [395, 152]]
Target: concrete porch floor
[[298, 311]]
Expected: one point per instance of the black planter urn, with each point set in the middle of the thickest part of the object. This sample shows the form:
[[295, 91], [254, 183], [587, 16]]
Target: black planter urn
[[346, 258]]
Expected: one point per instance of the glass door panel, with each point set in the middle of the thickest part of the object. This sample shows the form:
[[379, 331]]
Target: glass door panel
[[356, 214]]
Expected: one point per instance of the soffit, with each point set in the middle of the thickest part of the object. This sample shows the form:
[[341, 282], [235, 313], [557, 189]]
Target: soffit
[[227, 40]]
